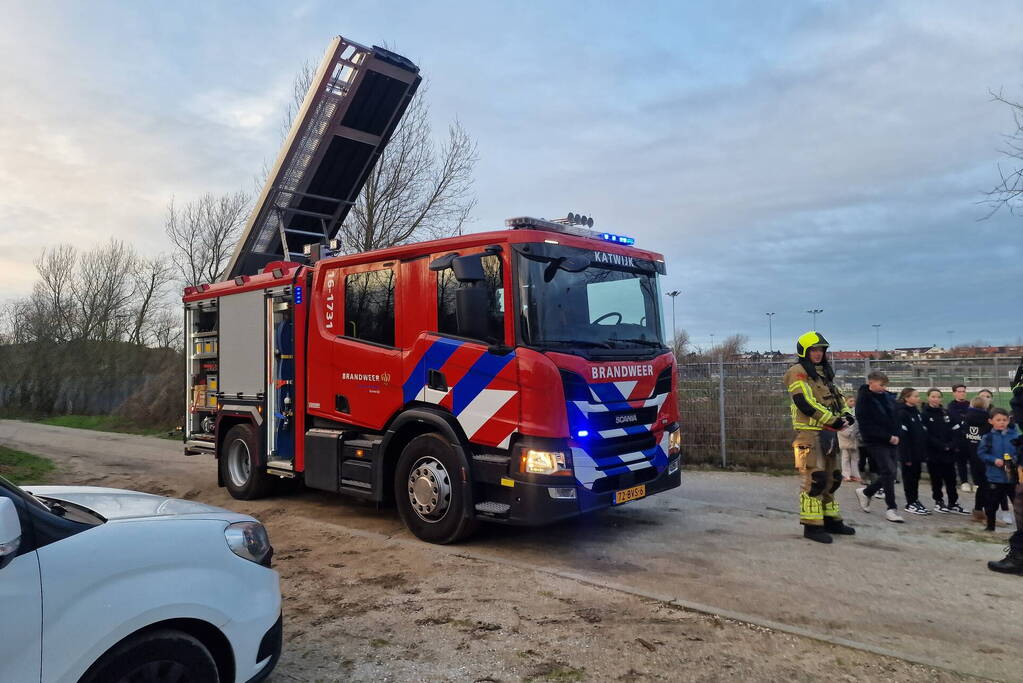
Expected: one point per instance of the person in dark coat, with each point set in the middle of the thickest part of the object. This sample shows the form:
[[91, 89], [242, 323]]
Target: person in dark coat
[[975, 426], [912, 447], [957, 408], [879, 431], [941, 435]]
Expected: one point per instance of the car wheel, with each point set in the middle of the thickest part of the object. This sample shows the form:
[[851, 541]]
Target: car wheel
[[429, 492], [239, 464], [163, 656]]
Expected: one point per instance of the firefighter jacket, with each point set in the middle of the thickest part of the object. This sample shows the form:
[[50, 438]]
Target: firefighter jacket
[[816, 403]]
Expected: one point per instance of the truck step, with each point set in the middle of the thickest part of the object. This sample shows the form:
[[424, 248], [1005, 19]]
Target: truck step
[[491, 508], [281, 468]]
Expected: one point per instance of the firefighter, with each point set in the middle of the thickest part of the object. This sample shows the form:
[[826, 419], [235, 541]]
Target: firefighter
[[818, 412]]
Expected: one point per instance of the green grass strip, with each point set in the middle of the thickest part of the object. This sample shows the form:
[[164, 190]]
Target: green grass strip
[[24, 468]]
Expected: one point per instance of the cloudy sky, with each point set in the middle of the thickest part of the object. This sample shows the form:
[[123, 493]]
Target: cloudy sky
[[783, 156]]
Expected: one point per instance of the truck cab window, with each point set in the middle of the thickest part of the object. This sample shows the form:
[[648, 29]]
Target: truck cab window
[[369, 306], [446, 286]]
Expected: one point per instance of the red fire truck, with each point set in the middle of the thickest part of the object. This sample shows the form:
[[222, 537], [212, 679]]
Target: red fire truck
[[514, 376]]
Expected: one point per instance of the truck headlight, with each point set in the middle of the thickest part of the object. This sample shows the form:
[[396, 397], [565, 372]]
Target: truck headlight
[[542, 462], [250, 541], [675, 442]]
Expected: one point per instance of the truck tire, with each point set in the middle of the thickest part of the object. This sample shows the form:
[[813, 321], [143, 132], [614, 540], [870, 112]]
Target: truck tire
[[164, 655], [429, 492], [240, 468]]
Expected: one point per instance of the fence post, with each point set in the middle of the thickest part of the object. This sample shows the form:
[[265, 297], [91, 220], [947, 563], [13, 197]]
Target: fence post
[[997, 378], [721, 406], [866, 369]]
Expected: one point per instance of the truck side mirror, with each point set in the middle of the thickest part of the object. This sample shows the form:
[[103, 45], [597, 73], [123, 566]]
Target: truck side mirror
[[469, 268], [10, 531], [472, 305]]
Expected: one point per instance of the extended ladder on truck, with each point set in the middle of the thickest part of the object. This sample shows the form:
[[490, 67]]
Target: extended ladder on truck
[[354, 103], [352, 107]]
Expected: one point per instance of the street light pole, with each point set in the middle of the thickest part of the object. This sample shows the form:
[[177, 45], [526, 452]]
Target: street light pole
[[770, 333], [674, 331], [814, 312], [877, 338]]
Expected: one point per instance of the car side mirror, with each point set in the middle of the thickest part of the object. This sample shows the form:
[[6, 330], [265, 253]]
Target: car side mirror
[[10, 531], [469, 268]]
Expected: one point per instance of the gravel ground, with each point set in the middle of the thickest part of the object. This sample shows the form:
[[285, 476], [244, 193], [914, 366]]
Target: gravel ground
[[364, 601]]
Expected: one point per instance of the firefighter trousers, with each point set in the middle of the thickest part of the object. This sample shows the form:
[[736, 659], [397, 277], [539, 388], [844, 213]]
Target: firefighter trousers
[[816, 454]]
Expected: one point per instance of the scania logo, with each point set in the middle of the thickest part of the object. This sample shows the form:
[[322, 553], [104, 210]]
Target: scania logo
[[622, 419], [621, 371]]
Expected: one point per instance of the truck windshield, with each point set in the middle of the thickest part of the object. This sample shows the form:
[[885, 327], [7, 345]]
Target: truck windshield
[[612, 302]]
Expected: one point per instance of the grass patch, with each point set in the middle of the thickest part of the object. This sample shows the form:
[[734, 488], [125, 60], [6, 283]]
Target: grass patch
[[106, 423], [24, 468]]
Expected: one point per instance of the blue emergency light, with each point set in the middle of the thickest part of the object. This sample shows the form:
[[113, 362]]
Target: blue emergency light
[[298, 295], [617, 239]]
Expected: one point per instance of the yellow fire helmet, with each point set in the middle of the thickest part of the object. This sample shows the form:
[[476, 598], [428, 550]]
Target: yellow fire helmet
[[810, 340]]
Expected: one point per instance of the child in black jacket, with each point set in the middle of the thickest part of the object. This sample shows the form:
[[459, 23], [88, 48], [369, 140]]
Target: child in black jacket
[[975, 426], [912, 447], [879, 431], [941, 442]]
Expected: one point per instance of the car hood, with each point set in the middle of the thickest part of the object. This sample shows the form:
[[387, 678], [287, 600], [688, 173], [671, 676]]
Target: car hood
[[121, 504]]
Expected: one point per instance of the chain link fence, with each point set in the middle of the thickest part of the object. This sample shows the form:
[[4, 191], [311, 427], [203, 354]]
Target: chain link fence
[[736, 413]]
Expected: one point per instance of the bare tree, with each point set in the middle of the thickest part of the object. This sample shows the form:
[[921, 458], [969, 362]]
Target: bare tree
[[417, 190], [151, 277], [680, 345], [103, 292], [53, 294], [1008, 192], [204, 233], [299, 88]]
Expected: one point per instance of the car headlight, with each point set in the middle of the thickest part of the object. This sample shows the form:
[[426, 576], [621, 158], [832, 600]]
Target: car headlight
[[250, 541], [675, 442], [542, 462]]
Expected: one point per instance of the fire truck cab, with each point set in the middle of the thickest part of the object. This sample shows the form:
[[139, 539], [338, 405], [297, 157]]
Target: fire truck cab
[[515, 376]]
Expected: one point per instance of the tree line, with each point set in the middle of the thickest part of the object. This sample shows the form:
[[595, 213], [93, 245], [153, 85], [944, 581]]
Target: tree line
[[101, 329]]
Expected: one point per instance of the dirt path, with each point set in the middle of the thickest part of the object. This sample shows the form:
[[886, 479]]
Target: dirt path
[[365, 601]]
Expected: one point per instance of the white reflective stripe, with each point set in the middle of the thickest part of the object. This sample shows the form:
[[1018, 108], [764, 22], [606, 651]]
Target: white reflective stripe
[[482, 408], [639, 466], [625, 388], [611, 433], [630, 457], [432, 395], [505, 441]]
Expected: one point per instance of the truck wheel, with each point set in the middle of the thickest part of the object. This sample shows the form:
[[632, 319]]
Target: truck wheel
[[239, 464], [429, 493], [157, 657]]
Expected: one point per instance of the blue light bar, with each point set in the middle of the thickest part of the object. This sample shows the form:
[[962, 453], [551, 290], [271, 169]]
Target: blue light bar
[[617, 239], [298, 294]]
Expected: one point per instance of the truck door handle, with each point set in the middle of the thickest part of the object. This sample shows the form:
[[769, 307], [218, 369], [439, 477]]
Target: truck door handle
[[436, 380]]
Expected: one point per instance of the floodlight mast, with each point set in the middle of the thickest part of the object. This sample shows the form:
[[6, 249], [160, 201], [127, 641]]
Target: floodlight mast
[[352, 107]]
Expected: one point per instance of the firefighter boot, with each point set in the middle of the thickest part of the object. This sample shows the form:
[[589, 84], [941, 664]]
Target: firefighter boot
[[1010, 564], [816, 533], [837, 526]]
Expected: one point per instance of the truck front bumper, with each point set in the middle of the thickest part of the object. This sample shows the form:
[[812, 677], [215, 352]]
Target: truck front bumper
[[532, 504]]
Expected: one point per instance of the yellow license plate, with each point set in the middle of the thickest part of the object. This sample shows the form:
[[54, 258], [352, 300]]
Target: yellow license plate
[[634, 493]]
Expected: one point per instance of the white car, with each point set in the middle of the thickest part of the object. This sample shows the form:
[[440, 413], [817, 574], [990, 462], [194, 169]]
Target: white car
[[101, 585]]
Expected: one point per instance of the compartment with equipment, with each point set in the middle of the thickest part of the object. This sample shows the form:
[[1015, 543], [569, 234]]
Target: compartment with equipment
[[202, 370]]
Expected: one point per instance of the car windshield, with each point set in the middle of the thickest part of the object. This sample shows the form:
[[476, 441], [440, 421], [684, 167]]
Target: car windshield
[[611, 302]]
